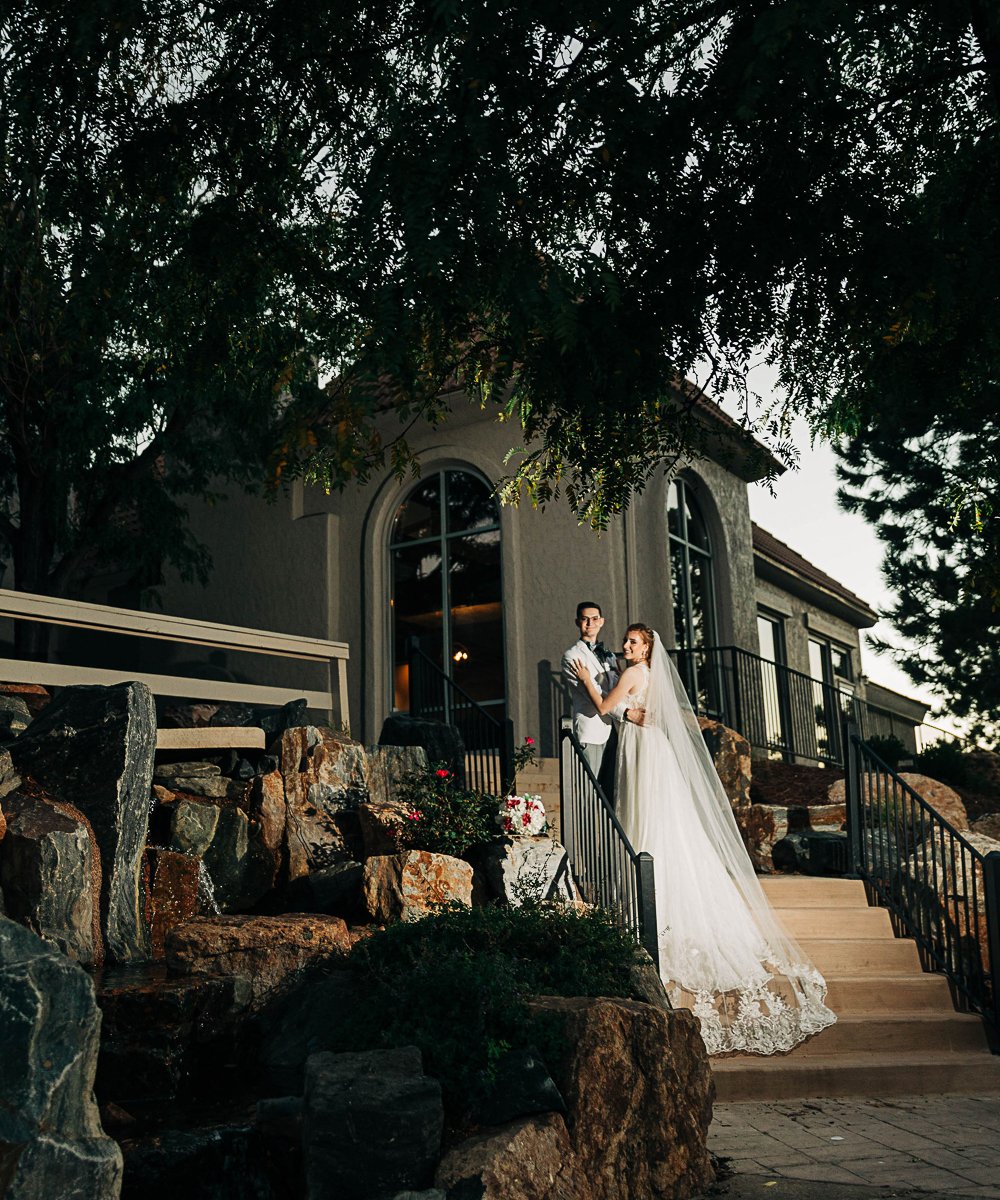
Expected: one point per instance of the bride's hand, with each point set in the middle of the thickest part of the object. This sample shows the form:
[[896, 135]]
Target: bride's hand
[[636, 716]]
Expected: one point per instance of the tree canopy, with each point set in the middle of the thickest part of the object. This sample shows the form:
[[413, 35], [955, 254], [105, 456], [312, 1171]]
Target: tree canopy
[[235, 233]]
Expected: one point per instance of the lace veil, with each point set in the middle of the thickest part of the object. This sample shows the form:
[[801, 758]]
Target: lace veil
[[743, 975]]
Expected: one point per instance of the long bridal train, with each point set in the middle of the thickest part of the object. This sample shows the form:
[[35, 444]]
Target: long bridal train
[[722, 952]]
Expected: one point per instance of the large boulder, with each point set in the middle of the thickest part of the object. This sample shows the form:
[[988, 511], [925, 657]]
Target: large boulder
[[326, 778], [93, 747], [639, 1091], [230, 844], [730, 752], [372, 1124], [262, 954], [384, 814], [442, 743], [762, 825], [410, 885], [50, 875], [212, 1162], [162, 1036], [939, 796], [304, 1021], [531, 1158], [528, 870], [51, 1141]]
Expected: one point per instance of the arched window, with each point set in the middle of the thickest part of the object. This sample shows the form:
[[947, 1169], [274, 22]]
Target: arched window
[[446, 585], [693, 591]]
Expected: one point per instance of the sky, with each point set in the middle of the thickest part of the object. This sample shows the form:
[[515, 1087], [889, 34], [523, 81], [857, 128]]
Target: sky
[[805, 514]]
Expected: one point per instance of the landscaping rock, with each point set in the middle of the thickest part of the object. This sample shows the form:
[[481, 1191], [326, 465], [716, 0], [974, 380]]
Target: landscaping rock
[[828, 817], [532, 1159], [175, 881], [14, 716], [521, 1086], [274, 721], [731, 754], [387, 765], [168, 772], [193, 825], [93, 747], [762, 825], [267, 810], [647, 985], [211, 787], [262, 954], [162, 1036], [528, 870], [301, 1022], [372, 1124], [325, 779], [988, 826], [33, 694], [51, 1141], [335, 889], [50, 875], [639, 1090], [9, 778], [811, 852], [414, 883], [442, 743], [939, 796], [227, 1161]]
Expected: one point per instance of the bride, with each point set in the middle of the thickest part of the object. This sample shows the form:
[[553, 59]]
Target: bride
[[722, 952]]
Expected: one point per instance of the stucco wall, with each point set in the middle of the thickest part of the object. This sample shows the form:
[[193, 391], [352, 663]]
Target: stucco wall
[[318, 565]]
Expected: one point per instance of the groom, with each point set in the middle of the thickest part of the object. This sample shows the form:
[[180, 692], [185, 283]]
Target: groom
[[592, 730]]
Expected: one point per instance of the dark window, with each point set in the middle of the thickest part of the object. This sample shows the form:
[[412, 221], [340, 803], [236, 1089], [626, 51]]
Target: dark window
[[774, 697], [833, 691], [693, 588], [446, 585]]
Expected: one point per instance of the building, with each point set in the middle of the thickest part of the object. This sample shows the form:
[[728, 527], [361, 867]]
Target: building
[[488, 594]]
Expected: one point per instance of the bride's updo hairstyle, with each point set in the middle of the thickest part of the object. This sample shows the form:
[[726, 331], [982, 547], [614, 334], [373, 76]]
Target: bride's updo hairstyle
[[646, 634]]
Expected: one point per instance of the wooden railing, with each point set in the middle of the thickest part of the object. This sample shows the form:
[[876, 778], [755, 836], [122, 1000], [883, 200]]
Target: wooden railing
[[75, 614]]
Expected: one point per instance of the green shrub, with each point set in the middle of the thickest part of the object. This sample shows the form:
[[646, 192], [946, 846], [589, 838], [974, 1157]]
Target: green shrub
[[456, 984], [945, 761], [889, 749], [442, 816]]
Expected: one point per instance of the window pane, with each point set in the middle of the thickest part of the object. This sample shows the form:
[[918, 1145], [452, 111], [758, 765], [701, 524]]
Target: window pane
[[697, 533], [841, 658], [702, 616], [417, 601], [673, 510], [680, 588], [477, 615], [419, 516], [470, 503], [817, 660], [766, 636]]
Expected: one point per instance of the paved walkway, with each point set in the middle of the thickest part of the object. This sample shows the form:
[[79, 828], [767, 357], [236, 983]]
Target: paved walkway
[[919, 1145]]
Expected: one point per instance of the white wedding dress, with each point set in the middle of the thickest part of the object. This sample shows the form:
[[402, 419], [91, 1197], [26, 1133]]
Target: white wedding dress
[[722, 952]]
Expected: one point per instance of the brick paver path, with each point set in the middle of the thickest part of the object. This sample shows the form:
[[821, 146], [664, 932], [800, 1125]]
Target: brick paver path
[[933, 1143]]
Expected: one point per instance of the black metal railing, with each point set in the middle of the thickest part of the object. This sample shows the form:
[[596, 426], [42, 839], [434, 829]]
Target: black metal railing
[[607, 870], [488, 740], [777, 709], [939, 889]]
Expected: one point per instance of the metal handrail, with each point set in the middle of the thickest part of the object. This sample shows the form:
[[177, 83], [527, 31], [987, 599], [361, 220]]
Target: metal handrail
[[606, 868], [941, 890], [489, 742]]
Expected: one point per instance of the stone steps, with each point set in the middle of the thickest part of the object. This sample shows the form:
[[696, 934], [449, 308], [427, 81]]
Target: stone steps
[[897, 1032], [882, 1075]]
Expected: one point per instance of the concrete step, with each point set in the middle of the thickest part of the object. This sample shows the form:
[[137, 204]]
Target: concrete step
[[836, 923], [862, 956], [784, 1077], [905, 1033], [805, 891], [874, 994]]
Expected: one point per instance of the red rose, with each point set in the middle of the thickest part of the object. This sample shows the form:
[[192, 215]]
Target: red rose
[[529, 741], [526, 819], [441, 773]]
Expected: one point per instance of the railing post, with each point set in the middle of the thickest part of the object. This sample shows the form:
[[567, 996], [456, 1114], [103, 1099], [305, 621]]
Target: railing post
[[507, 773], [852, 788], [737, 697], [647, 907], [991, 902], [567, 829]]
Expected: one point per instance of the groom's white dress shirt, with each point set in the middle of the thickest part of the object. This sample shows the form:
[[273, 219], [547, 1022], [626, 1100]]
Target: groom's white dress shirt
[[588, 724]]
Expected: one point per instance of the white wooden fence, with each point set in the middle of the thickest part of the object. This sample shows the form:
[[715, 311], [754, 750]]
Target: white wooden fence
[[74, 614]]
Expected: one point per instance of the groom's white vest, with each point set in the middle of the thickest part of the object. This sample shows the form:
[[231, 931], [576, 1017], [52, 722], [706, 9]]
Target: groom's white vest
[[588, 724]]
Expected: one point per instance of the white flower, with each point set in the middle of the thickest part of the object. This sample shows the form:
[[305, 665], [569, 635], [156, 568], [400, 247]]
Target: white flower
[[523, 816]]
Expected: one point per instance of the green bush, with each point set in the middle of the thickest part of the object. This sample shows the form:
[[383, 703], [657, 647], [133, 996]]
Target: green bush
[[945, 761], [889, 748], [456, 985], [442, 816]]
